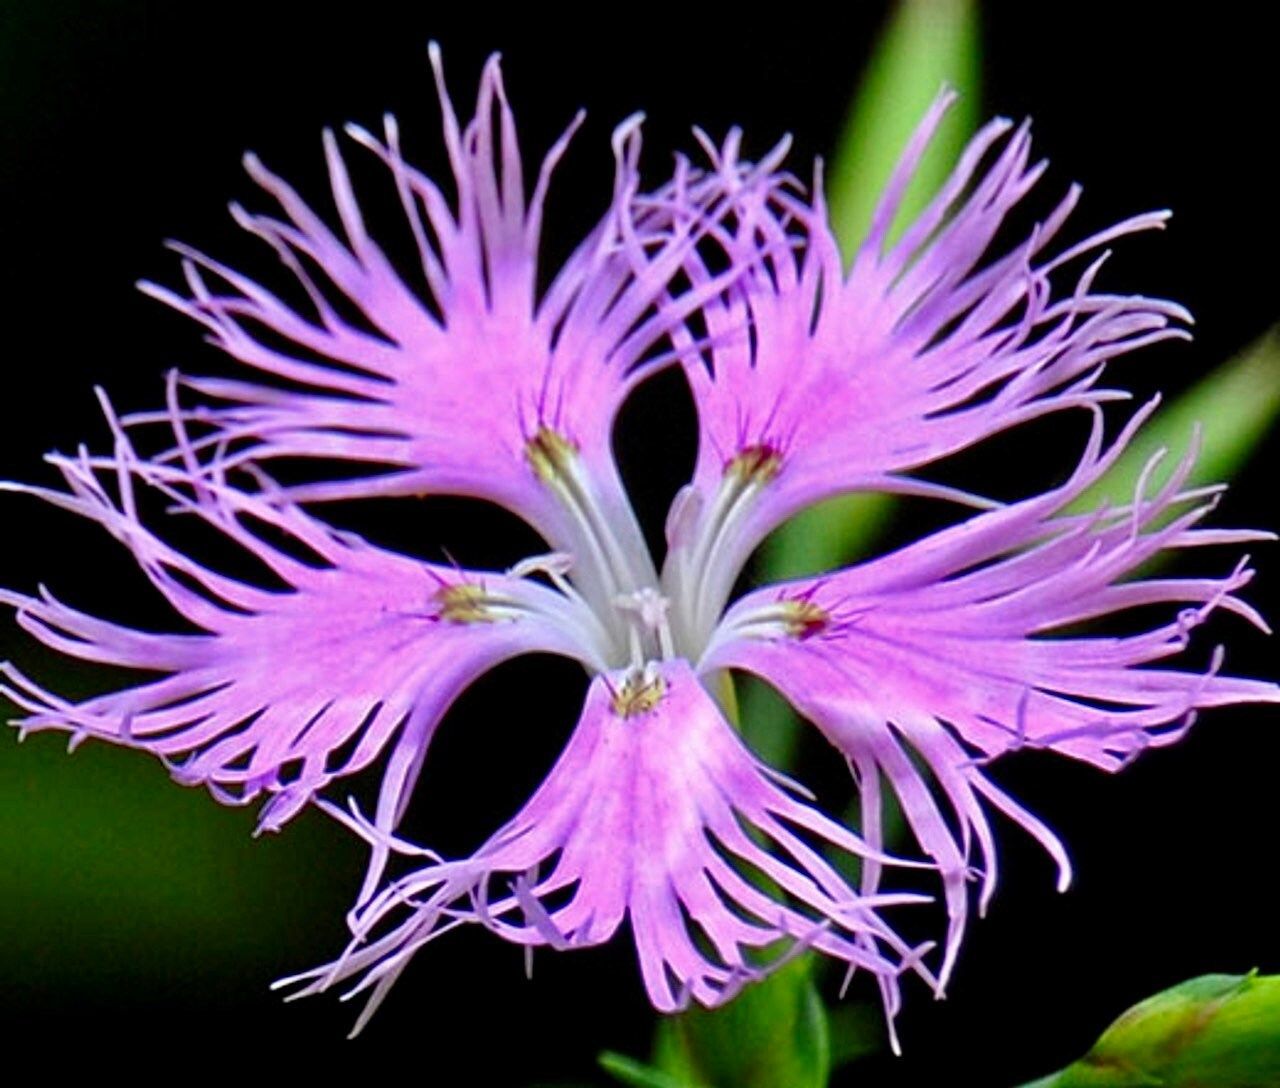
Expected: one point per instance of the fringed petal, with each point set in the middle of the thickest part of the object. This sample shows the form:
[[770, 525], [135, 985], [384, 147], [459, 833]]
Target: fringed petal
[[945, 653], [472, 383], [278, 690], [813, 382], [657, 813]]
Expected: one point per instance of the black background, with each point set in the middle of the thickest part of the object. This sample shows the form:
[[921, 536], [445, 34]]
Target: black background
[[122, 124]]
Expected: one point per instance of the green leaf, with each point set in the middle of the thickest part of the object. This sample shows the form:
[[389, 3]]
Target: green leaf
[[1216, 1031], [774, 1033], [826, 535], [926, 44], [857, 1031], [1234, 408], [638, 1075]]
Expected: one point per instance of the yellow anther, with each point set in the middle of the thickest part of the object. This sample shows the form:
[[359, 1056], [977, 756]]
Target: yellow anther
[[640, 693], [465, 602], [754, 464], [803, 619], [550, 454]]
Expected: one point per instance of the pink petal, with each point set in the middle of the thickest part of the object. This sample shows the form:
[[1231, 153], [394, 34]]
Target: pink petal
[[278, 690], [958, 628], [848, 381], [398, 378], [650, 814]]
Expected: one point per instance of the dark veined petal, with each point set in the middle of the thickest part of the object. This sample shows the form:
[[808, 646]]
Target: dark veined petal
[[278, 690], [926, 346], [945, 652], [656, 813]]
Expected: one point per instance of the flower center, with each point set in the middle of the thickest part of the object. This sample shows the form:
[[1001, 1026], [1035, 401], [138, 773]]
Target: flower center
[[645, 619], [611, 567], [649, 634]]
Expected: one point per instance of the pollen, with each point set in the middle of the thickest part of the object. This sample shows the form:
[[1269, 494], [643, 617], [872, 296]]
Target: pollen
[[755, 464], [803, 619], [640, 692], [465, 602], [550, 454]]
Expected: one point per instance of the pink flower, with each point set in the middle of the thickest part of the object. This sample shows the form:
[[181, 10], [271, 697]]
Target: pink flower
[[919, 667]]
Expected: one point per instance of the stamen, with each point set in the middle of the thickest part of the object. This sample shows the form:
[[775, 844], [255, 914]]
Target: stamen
[[756, 464], [465, 602], [461, 602], [792, 617], [640, 692], [648, 604], [608, 559], [803, 619], [550, 454], [701, 580], [555, 565], [650, 608]]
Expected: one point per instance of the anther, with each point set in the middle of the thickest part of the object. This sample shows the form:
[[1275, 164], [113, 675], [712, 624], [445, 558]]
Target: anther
[[639, 693], [464, 602], [555, 565], [550, 454], [756, 464], [803, 619]]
